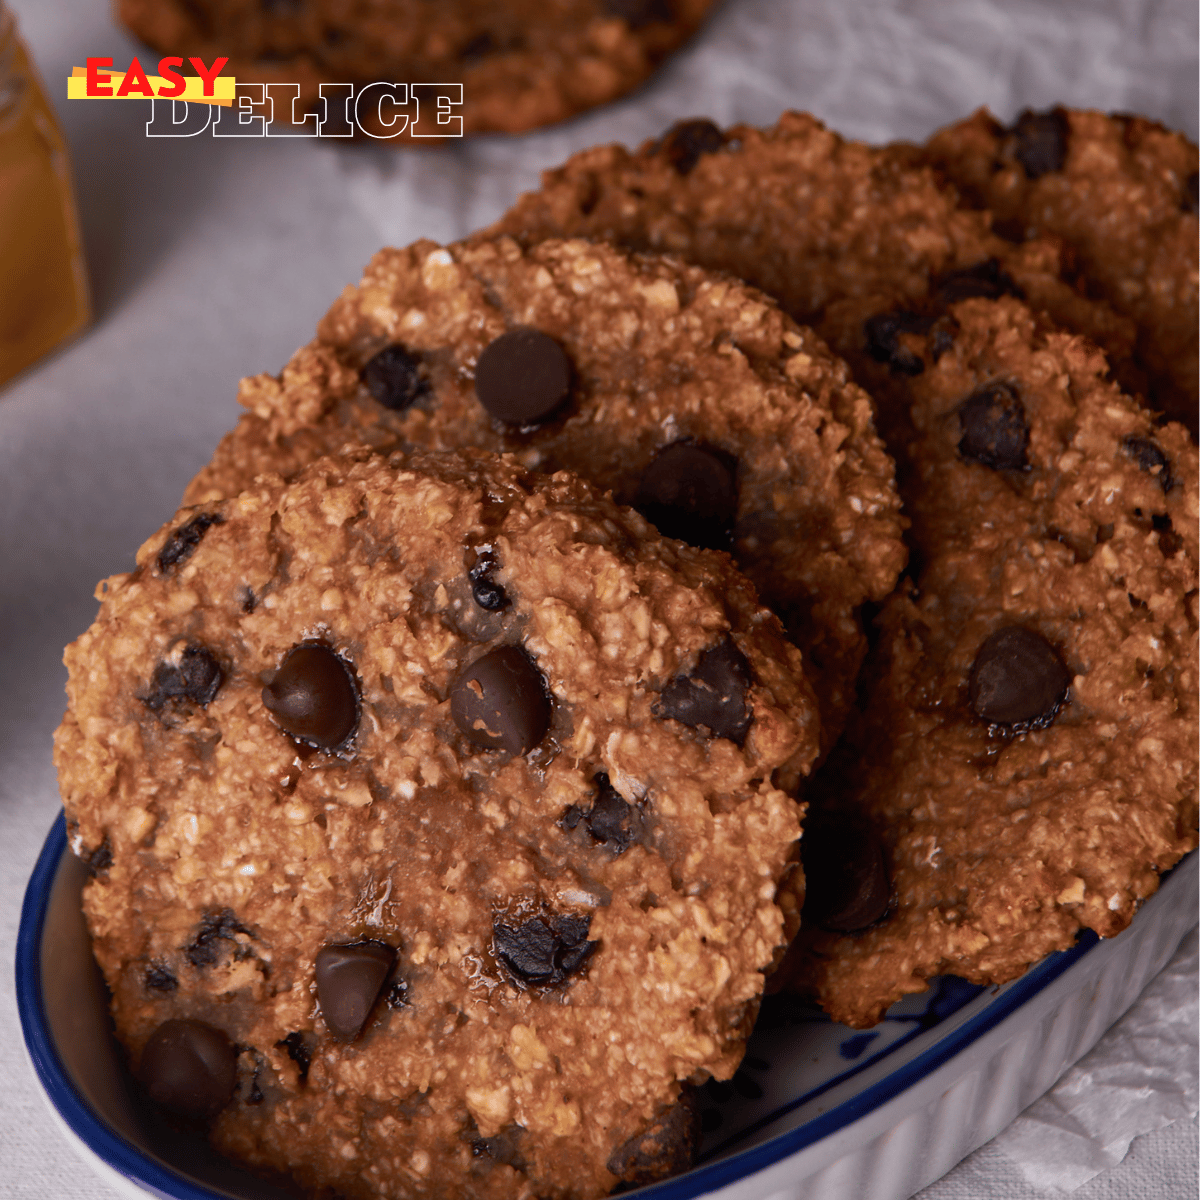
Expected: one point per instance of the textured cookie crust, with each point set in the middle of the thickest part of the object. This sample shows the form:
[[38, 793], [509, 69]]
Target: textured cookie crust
[[837, 231], [522, 63], [1121, 192], [226, 854], [1003, 844], [660, 353]]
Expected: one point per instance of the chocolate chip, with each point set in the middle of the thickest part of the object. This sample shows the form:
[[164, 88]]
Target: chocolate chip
[[184, 540], [159, 978], [1191, 188], [522, 377], [638, 13], [713, 695], [314, 697], [609, 821], [500, 701], [1018, 679], [684, 143], [485, 591], [994, 429], [689, 492], [216, 926], [394, 377], [503, 1147], [190, 1068], [846, 880], [99, 860], [667, 1147], [986, 279], [1011, 229], [543, 950], [298, 1050], [480, 46], [349, 980], [1149, 455], [1040, 144], [882, 333], [195, 677]]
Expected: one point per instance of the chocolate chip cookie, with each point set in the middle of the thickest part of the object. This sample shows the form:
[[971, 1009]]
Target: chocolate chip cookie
[[1025, 763], [839, 232], [1121, 192], [689, 395], [430, 811], [521, 63]]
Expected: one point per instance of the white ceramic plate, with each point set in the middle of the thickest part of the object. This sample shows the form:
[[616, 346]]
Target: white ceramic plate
[[817, 1111]]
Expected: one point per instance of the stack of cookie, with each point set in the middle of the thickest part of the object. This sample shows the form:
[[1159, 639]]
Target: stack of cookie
[[442, 766]]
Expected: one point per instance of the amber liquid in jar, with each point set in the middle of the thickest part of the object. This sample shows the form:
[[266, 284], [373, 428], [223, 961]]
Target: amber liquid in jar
[[43, 282]]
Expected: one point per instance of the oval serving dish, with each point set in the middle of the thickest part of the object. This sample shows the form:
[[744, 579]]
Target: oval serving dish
[[816, 1112]]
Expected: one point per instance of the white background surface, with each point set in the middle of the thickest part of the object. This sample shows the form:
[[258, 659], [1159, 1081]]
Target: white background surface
[[211, 260]]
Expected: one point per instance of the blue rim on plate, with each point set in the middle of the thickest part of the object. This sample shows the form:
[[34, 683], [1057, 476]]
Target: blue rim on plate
[[149, 1172]]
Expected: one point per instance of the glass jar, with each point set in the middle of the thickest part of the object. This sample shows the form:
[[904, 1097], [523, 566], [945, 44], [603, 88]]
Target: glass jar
[[43, 280]]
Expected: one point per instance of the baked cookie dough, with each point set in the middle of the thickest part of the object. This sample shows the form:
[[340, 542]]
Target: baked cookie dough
[[1025, 764], [842, 234], [689, 395], [1121, 192], [430, 810], [521, 63]]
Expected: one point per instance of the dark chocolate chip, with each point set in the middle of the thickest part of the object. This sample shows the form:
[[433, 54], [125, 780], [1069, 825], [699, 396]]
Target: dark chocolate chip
[[184, 540], [1149, 455], [159, 978], [846, 880], [882, 333], [522, 377], [349, 980], [942, 336], [986, 279], [689, 492], [713, 695], [683, 144], [1040, 144], [217, 926], [394, 377], [543, 950], [190, 1068], [1018, 679], [1191, 188], [668, 1147], [503, 1147], [480, 46], [500, 701], [298, 1050], [1011, 229], [314, 697], [196, 677], [639, 13], [485, 591], [609, 821], [99, 860], [994, 429]]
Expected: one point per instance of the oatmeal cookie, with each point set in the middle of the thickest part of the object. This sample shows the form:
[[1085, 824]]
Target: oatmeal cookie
[[1025, 764], [521, 63], [430, 810], [1121, 192], [842, 234], [688, 395]]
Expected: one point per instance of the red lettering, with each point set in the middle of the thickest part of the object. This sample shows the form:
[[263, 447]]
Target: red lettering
[[135, 81], [208, 74], [177, 81], [95, 80]]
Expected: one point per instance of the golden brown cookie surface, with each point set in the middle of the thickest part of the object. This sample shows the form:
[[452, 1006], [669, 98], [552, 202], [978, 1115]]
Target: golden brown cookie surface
[[837, 231], [521, 63], [1027, 753], [1121, 192], [687, 394], [433, 805]]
